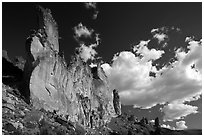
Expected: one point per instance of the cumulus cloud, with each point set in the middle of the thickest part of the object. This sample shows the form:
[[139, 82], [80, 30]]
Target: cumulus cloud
[[195, 56], [160, 34], [82, 31], [168, 126], [181, 125], [89, 52], [86, 51], [142, 50], [177, 111], [161, 37], [181, 81], [152, 121], [130, 74]]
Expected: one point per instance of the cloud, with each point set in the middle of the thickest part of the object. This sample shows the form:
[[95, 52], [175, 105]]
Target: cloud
[[154, 30], [161, 37], [177, 110], [168, 126], [86, 52], [130, 74], [93, 65], [161, 34], [181, 81], [92, 5], [147, 54], [181, 125], [152, 121], [82, 31], [195, 57]]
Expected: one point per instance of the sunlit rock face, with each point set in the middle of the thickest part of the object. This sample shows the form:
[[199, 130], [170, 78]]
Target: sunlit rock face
[[78, 92]]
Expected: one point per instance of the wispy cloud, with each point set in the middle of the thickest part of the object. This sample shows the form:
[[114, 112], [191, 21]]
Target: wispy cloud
[[161, 34]]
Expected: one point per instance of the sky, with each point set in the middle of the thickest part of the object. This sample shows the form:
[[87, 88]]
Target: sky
[[151, 52]]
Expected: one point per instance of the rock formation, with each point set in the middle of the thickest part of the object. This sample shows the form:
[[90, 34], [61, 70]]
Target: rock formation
[[78, 92], [157, 126], [156, 122], [116, 102]]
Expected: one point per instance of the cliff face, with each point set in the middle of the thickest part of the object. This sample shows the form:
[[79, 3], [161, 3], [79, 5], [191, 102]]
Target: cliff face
[[78, 93]]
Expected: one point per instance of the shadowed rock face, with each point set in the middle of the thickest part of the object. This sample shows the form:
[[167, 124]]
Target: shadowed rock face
[[77, 92]]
